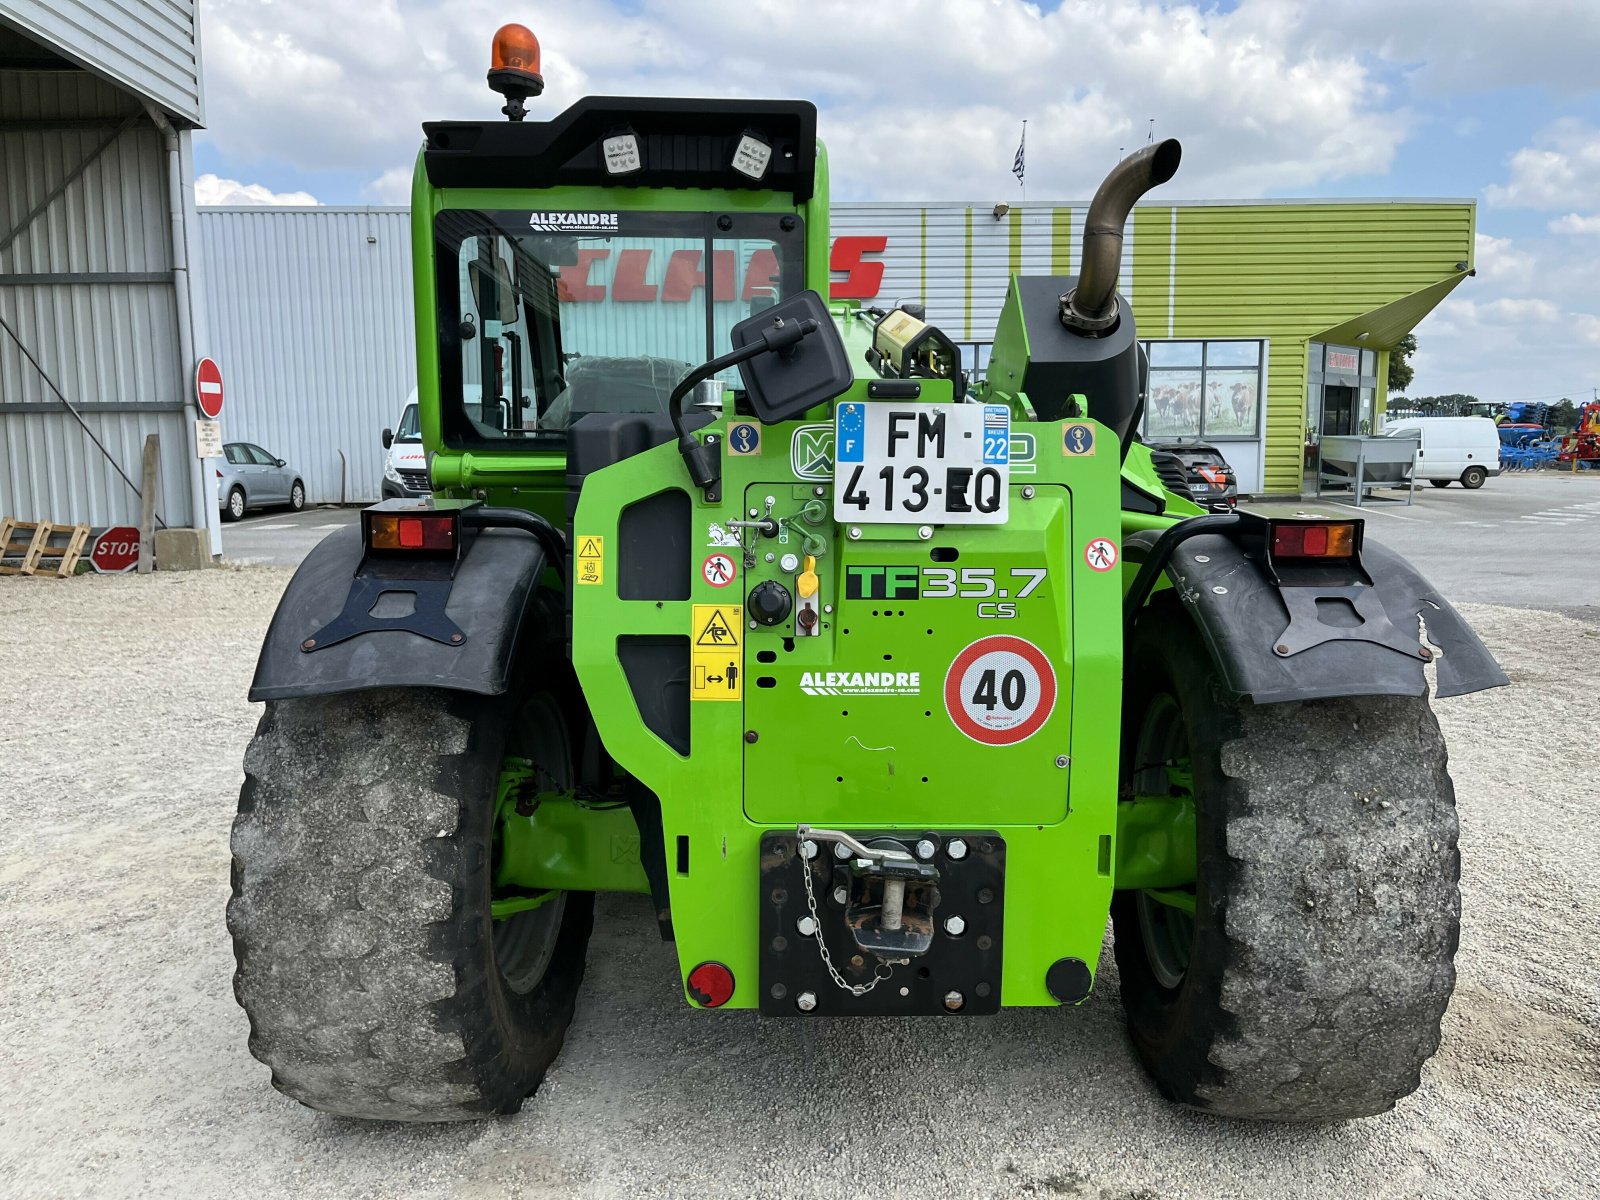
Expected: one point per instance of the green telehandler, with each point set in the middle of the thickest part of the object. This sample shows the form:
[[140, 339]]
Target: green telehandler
[[885, 685]]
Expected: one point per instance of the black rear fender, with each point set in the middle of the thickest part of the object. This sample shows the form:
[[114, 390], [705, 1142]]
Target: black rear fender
[[1364, 641], [493, 599]]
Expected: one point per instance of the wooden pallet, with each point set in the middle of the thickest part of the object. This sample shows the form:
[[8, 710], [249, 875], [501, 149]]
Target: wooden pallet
[[50, 550]]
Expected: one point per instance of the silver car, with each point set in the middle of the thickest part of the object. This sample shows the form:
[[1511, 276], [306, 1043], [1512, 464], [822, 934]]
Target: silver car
[[249, 477]]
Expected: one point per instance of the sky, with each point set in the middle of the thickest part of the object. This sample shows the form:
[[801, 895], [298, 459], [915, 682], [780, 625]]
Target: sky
[[924, 100]]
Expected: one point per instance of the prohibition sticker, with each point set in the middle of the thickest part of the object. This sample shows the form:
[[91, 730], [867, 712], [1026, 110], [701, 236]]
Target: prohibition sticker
[[1101, 554], [591, 559], [718, 570], [1000, 690]]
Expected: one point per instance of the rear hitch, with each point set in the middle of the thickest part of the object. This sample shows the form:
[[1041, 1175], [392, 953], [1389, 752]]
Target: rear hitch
[[890, 896]]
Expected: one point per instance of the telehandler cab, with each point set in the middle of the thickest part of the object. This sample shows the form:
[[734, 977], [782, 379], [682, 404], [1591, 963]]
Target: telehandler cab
[[884, 685]]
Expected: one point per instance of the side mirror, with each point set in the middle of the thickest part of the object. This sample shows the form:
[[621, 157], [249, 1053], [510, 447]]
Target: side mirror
[[282, 462], [809, 371], [388, 438]]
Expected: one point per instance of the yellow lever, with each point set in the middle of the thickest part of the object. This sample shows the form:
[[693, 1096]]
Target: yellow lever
[[807, 583]]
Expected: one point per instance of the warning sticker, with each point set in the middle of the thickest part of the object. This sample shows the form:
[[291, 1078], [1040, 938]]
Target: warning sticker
[[718, 570], [1000, 690], [716, 653], [1101, 554], [744, 437], [1078, 441], [591, 559]]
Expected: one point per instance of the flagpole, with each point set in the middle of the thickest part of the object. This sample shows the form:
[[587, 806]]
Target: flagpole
[[1024, 179]]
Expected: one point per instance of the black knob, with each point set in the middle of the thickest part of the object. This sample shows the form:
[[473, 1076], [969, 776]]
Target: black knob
[[769, 602]]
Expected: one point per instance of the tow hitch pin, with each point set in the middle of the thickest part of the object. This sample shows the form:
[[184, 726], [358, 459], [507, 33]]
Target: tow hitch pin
[[894, 900], [860, 851]]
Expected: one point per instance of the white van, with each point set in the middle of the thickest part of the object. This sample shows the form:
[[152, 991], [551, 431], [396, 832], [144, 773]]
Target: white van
[[405, 467], [1453, 448]]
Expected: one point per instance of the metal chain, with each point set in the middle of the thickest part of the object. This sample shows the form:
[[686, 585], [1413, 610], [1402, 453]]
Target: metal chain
[[878, 972]]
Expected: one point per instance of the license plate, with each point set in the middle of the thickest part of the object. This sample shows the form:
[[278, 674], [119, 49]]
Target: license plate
[[921, 464]]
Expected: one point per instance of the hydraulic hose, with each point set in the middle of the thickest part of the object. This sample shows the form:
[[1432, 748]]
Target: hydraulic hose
[[555, 549]]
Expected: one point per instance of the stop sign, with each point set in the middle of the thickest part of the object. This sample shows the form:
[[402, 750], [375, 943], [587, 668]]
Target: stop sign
[[208, 387], [116, 549]]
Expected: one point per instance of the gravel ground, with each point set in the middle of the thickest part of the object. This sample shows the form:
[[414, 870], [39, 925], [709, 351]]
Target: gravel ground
[[123, 1067]]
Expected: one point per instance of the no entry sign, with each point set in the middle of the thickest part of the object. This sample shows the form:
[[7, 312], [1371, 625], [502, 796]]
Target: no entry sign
[[1000, 690], [116, 550], [208, 387]]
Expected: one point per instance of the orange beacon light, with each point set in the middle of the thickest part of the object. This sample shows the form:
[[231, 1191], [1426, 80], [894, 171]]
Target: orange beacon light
[[514, 68]]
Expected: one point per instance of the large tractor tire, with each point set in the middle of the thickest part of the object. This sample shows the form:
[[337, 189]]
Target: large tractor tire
[[1309, 983], [376, 982]]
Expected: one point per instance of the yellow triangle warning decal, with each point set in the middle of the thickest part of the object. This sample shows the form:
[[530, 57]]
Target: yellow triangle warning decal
[[590, 547], [716, 631]]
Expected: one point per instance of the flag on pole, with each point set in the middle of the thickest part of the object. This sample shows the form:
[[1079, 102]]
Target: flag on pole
[[1018, 167]]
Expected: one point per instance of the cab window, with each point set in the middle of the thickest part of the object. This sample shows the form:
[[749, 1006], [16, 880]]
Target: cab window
[[545, 317]]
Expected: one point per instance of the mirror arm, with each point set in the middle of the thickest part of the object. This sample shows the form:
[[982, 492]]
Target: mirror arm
[[704, 463]]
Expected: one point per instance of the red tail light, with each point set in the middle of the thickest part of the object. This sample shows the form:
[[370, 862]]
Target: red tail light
[[711, 984], [424, 532], [1306, 540]]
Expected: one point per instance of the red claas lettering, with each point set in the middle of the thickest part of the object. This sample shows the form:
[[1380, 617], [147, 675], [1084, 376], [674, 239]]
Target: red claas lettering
[[631, 272], [862, 279]]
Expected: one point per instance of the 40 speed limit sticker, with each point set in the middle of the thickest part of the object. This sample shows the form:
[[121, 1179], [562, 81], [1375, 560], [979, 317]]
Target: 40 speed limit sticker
[[1000, 690]]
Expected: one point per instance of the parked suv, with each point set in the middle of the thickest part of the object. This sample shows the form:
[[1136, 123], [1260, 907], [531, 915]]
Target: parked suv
[[1207, 475], [405, 467]]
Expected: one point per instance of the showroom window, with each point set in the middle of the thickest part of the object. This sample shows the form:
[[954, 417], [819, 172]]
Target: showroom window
[[1205, 390]]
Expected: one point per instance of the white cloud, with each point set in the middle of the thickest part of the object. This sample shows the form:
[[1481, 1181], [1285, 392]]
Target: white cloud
[[1588, 327], [392, 187], [212, 189], [1561, 169], [1257, 109], [1500, 264], [1454, 46], [1574, 225], [1522, 329]]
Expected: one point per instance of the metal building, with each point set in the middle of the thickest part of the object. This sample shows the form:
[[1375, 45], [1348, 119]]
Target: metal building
[[101, 316], [1268, 323], [310, 315]]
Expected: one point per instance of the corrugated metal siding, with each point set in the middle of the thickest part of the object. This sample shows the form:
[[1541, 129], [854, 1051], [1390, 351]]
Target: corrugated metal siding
[[102, 343], [1290, 271], [312, 326], [958, 258], [53, 472], [148, 46]]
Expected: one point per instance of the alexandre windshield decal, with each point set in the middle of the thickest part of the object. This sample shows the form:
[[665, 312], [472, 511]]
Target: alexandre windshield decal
[[573, 222]]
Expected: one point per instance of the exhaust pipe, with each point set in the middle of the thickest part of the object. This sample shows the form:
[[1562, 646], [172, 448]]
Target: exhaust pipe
[[1091, 307]]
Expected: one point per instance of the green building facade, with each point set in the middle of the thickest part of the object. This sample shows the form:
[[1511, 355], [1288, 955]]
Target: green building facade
[[1269, 323]]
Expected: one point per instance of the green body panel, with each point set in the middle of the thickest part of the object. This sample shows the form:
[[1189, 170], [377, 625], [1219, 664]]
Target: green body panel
[[1059, 822], [570, 847], [1155, 842], [807, 742]]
